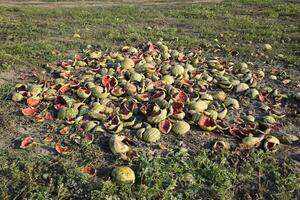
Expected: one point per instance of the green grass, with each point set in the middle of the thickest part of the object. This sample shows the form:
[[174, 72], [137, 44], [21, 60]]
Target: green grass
[[5, 91], [31, 36], [8, 120], [158, 177]]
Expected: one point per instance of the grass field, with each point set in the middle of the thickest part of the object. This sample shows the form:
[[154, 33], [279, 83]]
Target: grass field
[[39, 33]]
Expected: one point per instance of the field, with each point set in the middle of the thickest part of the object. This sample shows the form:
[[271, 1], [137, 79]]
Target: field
[[36, 33]]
